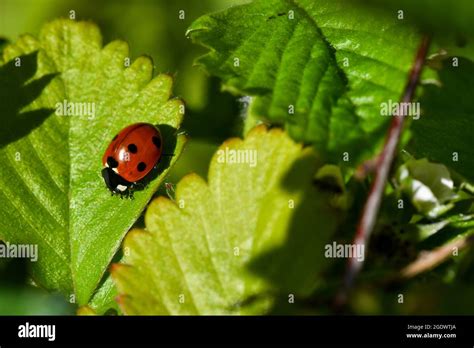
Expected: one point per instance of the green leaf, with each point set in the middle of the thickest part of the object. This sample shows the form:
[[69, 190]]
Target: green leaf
[[429, 186], [27, 300], [51, 191], [453, 226], [322, 68], [233, 244], [103, 300], [444, 131], [434, 16]]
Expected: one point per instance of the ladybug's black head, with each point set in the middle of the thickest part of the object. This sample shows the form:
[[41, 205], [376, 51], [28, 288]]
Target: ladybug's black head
[[115, 182]]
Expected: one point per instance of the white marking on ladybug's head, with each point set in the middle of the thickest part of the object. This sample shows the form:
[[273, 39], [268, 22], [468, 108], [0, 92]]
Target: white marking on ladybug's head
[[115, 170], [121, 188], [106, 165], [124, 155]]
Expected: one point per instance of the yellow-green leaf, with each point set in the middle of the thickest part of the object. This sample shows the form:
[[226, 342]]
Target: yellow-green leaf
[[253, 234]]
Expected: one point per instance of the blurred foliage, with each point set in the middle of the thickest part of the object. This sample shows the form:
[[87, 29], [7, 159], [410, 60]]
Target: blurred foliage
[[449, 23], [154, 27], [16, 298], [435, 16], [401, 235], [428, 185]]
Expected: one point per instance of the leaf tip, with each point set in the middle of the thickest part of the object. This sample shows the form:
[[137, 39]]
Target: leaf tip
[[196, 27]]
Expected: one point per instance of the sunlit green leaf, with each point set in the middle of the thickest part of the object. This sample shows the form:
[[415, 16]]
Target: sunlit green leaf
[[323, 68], [231, 245], [52, 193]]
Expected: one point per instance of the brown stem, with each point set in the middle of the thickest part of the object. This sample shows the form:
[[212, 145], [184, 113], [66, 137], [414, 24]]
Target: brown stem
[[384, 163], [430, 259]]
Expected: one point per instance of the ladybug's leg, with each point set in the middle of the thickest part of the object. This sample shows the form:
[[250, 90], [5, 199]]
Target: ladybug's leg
[[128, 193], [140, 185]]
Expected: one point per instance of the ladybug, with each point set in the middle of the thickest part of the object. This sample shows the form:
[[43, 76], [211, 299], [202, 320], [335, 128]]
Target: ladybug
[[132, 154]]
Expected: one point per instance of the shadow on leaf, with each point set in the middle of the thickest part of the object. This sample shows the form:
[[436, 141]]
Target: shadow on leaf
[[3, 43], [444, 131], [16, 93], [294, 266]]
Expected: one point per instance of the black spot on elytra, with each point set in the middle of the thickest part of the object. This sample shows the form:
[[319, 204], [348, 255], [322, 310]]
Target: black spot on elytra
[[112, 162], [141, 166], [132, 148], [157, 141]]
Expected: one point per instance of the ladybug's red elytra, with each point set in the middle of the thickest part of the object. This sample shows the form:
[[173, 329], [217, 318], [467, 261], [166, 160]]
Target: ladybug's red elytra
[[131, 155]]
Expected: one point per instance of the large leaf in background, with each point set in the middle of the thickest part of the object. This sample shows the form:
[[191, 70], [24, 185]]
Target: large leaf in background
[[332, 61], [432, 15], [195, 253], [52, 193], [444, 131], [450, 25]]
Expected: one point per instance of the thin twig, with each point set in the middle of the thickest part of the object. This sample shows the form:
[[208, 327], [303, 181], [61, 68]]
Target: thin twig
[[384, 163], [430, 259]]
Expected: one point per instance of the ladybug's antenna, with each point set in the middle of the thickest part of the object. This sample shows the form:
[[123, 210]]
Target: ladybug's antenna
[[170, 190]]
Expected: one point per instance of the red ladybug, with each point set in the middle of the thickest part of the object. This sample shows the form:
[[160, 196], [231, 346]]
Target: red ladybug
[[131, 155]]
